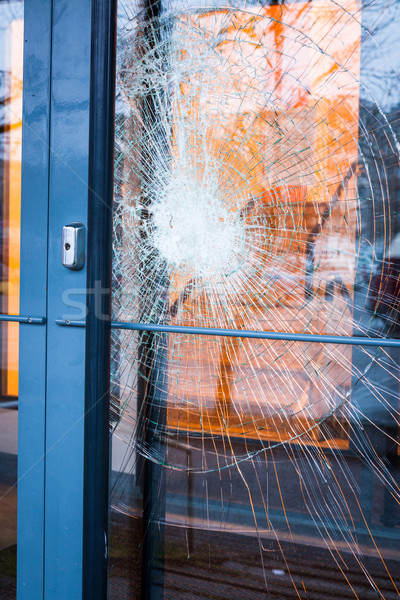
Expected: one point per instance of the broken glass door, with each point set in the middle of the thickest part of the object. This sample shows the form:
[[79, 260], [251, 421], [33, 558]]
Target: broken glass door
[[255, 353]]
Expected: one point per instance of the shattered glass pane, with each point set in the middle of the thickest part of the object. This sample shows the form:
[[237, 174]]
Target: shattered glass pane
[[256, 188]]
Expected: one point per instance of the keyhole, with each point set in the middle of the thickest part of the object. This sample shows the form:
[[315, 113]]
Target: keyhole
[[67, 246]]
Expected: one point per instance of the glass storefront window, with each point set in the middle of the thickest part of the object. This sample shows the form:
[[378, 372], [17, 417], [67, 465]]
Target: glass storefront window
[[256, 189]]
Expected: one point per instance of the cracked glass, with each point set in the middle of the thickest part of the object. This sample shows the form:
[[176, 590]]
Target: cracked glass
[[256, 189]]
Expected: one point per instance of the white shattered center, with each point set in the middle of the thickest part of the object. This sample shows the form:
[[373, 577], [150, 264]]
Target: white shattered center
[[195, 231]]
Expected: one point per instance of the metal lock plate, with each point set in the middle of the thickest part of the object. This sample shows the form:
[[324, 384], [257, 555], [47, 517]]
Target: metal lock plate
[[73, 246]]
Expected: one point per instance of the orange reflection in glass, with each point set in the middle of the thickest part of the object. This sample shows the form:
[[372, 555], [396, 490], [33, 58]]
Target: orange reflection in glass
[[11, 206], [305, 59]]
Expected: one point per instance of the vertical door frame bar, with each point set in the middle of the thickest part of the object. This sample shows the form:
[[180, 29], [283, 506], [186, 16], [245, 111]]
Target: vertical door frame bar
[[33, 297], [68, 184], [99, 280]]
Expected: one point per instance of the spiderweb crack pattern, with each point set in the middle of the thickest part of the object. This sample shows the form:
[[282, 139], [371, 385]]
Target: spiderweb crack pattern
[[255, 168]]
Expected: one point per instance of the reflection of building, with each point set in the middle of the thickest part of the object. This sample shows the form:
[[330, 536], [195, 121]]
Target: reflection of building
[[10, 173], [268, 165]]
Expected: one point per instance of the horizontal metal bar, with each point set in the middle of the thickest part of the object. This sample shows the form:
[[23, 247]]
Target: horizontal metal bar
[[68, 323], [245, 333], [20, 319], [10, 405]]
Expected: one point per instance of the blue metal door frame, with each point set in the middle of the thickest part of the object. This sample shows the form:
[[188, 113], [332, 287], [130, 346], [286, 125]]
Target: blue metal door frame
[[52, 358], [33, 301], [68, 190]]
